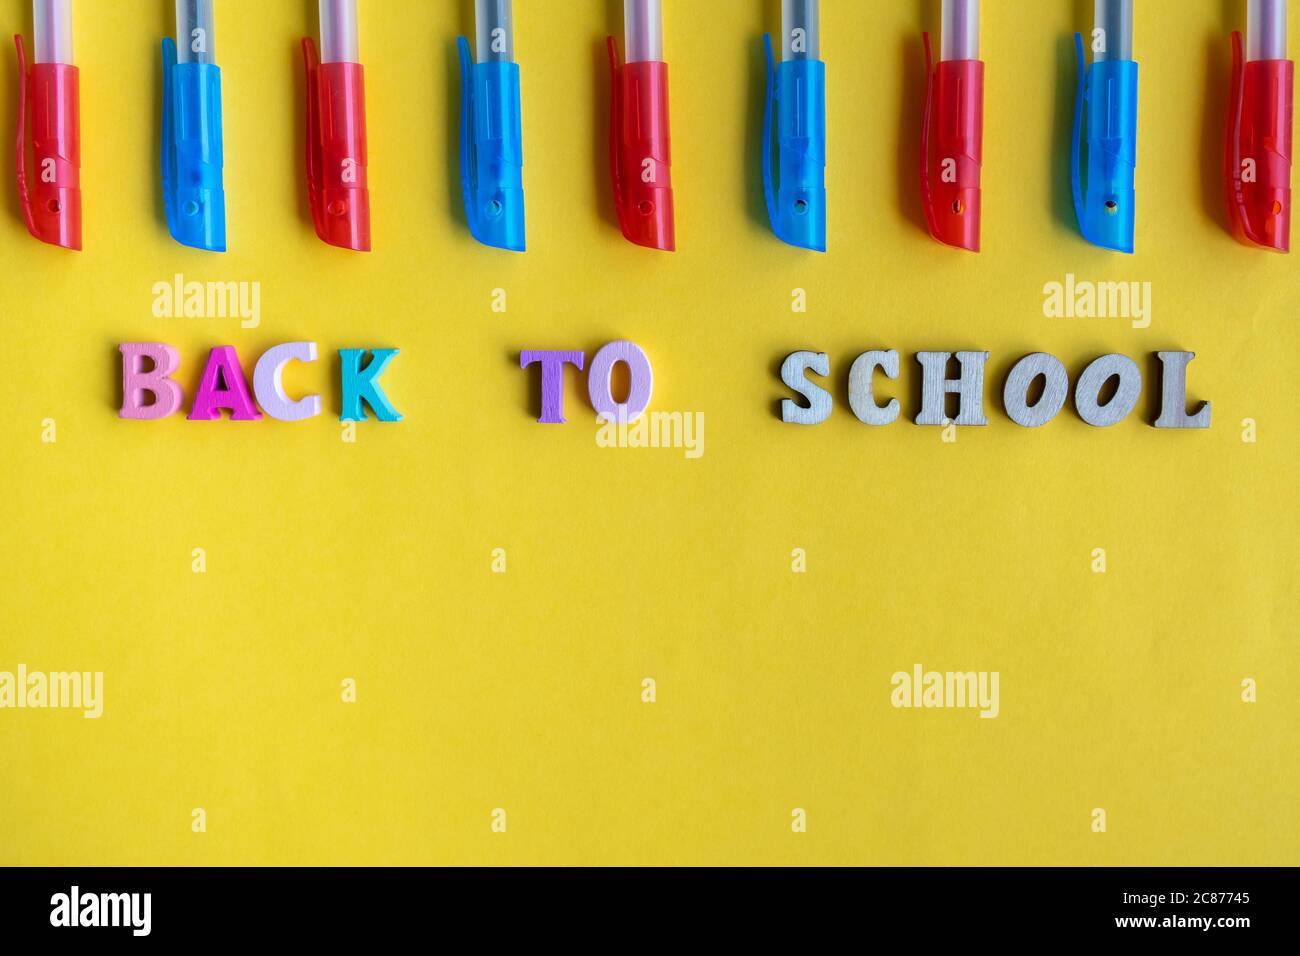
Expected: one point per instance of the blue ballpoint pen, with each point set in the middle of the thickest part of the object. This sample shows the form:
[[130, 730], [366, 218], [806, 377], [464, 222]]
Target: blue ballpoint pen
[[794, 126], [491, 137], [1109, 89], [193, 194]]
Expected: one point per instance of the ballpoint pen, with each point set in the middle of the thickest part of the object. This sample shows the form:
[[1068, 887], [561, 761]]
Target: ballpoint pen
[[336, 130], [794, 126], [952, 130], [491, 137], [49, 103], [193, 195], [640, 158], [1258, 153], [1108, 89]]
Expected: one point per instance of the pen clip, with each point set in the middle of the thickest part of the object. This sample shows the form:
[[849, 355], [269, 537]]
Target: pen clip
[[769, 131], [927, 192], [615, 124], [1076, 145], [169, 162], [1236, 108], [20, 164], [314, 161], [468, 177]]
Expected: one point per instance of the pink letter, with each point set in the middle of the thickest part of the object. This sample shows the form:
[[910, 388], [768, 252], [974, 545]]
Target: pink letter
[[136, 380], [223, 386]]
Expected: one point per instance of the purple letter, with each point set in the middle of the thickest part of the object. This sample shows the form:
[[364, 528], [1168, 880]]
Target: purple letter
[[552, 380]]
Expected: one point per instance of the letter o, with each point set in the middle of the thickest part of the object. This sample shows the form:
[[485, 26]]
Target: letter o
[[599, 385], [1056, 388], [1094, 377]]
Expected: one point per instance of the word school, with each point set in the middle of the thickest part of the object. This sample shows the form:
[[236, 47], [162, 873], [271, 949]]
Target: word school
[[147, 369], [969, 387]]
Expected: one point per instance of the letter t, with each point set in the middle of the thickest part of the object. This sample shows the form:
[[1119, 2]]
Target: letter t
[[552, 380]]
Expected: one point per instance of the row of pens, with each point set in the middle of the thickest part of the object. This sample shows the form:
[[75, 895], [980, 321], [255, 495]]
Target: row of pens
[[1257, 160]]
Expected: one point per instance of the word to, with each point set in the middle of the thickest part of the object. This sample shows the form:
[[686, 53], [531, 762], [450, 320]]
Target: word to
[[147, 368], [969, 387], [599, 381]]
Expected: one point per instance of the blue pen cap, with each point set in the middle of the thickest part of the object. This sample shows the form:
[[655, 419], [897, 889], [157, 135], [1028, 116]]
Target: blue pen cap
[[794, 126], [491, 151], [1105, 206], [192, 156]]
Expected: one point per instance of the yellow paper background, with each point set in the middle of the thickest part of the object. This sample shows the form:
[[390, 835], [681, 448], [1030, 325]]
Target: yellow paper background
[[328, 560]]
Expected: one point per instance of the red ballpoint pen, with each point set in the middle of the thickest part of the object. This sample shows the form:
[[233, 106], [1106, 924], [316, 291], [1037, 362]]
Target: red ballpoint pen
[[639, 154], [1258, 153], [49, 104], [952, 131], [337, 186]]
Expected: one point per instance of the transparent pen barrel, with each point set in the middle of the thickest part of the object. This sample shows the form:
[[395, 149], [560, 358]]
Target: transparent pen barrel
[[52, 31], [195, 33], [1266, 30], [960, 36], [801, 30], [495, 30], [338, 32], [643, 30], [1115, 18]]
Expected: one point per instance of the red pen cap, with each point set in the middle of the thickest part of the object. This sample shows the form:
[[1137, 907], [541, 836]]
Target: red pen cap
[[639, 153], [952, 149], [337, 185], [49, 104], [1258, 151]]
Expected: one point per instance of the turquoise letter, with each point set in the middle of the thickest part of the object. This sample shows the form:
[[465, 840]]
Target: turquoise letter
[[359, 385]]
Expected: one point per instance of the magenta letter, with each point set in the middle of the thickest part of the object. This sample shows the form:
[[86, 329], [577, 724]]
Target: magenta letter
[[223, 386]]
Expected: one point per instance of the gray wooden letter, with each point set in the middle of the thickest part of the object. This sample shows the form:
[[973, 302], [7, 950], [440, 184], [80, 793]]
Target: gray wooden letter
[[1056, 388], [1173, 394], [861, 399], [970, 387], [819, 400], [1089, 388]]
